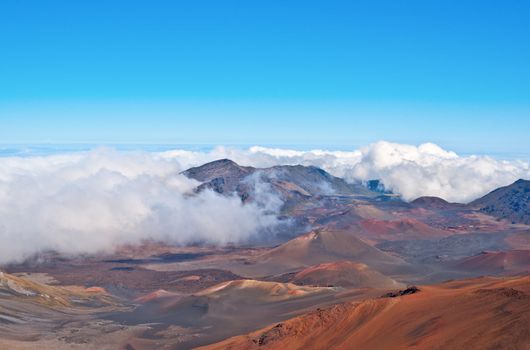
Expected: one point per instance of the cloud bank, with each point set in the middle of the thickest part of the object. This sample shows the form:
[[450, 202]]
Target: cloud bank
[[412, 171], [89, 203], [93, 201]]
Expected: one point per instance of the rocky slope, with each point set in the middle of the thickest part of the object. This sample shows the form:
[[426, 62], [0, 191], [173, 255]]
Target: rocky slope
[[511, 203], [482, 313], [225, 176], [325, 246]]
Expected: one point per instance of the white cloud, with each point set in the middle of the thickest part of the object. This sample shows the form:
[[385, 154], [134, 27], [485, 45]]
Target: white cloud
[[87, 203]]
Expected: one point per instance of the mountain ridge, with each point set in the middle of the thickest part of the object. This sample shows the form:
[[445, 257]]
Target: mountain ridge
[[510, 202], [225, 176]]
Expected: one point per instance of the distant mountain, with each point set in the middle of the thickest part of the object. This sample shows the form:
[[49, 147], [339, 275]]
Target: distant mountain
[[429, 202], [291, 181], [326, 246], [511, 202], [222, 176]]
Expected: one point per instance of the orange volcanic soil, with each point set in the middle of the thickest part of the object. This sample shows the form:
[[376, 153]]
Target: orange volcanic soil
[[505, 261], [483, 313], [324, 246], [399, 229], [344, 274]]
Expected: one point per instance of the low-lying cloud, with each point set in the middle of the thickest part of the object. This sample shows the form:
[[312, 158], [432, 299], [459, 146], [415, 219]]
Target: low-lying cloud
[[93, 201], [88, 203]]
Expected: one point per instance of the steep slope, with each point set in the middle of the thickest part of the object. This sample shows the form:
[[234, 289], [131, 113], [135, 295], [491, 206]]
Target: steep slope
[[483, 313], [222, 176], [344, 274], [313, 180], [511, 203], [324, 246]]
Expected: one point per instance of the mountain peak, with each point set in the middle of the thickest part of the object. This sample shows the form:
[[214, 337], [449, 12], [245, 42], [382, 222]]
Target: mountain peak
[[224, 161], [433, 203], [522, 182], [216, 169], [219, 163]]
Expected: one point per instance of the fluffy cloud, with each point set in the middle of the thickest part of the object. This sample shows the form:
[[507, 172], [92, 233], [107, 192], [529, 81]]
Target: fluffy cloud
[[428, 170], [87, 203]]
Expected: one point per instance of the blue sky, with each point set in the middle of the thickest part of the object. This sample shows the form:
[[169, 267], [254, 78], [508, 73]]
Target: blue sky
[[328, 73]]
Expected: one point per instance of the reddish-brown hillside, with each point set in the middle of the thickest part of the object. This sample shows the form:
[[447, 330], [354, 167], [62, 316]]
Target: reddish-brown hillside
[[402, 229], [323, 246], [344, 274], [485, 313], [515, 261]]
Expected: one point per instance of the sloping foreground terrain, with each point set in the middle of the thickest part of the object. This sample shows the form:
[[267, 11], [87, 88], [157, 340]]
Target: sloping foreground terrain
[[483, 313]]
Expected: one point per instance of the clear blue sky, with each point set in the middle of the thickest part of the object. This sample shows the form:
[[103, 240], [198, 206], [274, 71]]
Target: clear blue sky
[[269, 72]]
